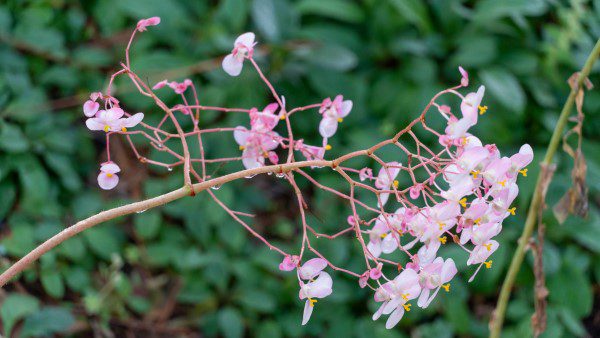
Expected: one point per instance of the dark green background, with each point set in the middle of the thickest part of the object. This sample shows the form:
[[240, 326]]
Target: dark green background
[[389, 57]]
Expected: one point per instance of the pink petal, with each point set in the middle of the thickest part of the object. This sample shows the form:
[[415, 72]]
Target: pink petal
[[346, 108], [464, 81], [94, 123], [90, 108], [105, 182], [133, 120], [232, 66], [241, 134], [160, 84], [110, 167], [246, 39], [312, 267], [328, 127]]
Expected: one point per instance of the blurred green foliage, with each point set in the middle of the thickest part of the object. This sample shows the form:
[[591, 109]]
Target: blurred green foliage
[[187, 267]]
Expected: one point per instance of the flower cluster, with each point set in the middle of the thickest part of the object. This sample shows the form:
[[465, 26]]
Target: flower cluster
[[460, 190]]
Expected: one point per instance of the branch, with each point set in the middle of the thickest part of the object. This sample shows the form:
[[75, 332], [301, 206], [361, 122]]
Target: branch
[[498, 315], [128, 209]]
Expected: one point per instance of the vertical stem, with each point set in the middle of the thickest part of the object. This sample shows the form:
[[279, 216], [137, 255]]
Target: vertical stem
[[498, 315]]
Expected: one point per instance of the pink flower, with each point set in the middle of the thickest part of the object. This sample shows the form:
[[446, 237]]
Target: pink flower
[[433, 276], [385, 180], [481, 252], [289, 263], [90, 108], [464, 81], [520, 160], [415, 191], [180, 87], [107, 120], [95, 96], [395, 295], [381, 237], [142, 24], [256, 146], [333, 113], [243, 47], [375, 273], [265, 120], [365, 173], [320, 287], [108, 179]]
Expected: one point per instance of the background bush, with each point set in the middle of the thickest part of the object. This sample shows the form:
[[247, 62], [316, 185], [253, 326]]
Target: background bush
[[187, 268]]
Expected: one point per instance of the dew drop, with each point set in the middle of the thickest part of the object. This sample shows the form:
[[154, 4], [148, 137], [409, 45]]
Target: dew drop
[[139, 212], [251, 176], [281, 175], [216, 187], [169, 168]]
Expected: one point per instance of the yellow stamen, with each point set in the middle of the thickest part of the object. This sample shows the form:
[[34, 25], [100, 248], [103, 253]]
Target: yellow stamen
[[383, 235], [512, 210], [488, 264], [282, 117], [312, 301], [463, 141], [488, 246], [441, 225], [265, 154], [242, 147], [407, 307], [340, 120], [475, 173], [106, 129], [396, 183], [400, 232], [442, 239], [123, 129], [523, 172], [109, 175], [446, 287], [463, 202], [502, 183], [405, 296], [477, 221], [482, 109], [328, 147]]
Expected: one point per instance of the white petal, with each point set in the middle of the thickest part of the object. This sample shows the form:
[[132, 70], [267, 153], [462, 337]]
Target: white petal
[[133, 120], [232, 66], [94, 124], [106, 182], [246, 39], [328, 126], [394, 318], [308, 309]]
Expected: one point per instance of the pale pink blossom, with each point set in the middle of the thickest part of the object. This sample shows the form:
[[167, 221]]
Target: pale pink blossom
[[142, 24], [107, 120], [108, 179], [289, 263], [365, 173], [243, 47], [434, 276], [385, 180], [320, 287], [464, 81], [333, 113], [129, 122], [311, 268], [395, 295]]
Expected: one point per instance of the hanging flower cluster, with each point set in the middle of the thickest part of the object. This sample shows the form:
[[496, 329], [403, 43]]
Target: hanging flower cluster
[[459, 190]]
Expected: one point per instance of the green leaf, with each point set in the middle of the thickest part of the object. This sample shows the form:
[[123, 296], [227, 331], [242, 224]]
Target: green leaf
[[273, 18], [231, 323], [332, 57], [8, 193], [147, 224], [47, 321], [505, 88], [572, 290], [12, 139], [337, 9], [414, 11], [15, 307], [52, 283]]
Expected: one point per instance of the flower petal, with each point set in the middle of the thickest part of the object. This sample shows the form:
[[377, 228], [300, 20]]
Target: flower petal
[[328, 126], [232, 66], [90, 108], [308, 309], [105, 182]]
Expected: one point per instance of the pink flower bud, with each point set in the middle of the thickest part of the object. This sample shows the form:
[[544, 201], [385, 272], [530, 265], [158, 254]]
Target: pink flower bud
[[142, 24]]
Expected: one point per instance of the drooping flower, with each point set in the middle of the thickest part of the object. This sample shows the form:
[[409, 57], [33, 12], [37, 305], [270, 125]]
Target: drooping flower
[[243, 47], [320, 287], [395, 295], [142, 24], [311, 268], [434, 276], [464, 81], [333, 113], [108, 179]]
